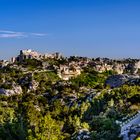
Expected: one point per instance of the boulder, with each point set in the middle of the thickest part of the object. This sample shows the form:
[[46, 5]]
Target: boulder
[[116, 80]]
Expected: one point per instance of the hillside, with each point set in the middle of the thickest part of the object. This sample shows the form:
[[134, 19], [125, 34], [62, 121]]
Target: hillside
[[52, 97]]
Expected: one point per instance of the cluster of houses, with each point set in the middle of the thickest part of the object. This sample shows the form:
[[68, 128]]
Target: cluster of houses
[[119, 66], [66, 72], [74, 68], [103, 66], [74, 65]]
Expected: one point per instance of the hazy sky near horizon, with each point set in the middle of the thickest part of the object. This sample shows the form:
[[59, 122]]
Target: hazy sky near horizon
[[105, 28]]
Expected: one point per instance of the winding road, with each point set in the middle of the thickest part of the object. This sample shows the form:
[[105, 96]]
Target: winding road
[[134, 121]]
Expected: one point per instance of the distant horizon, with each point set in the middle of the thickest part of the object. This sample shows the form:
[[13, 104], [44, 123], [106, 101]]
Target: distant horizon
[[90, 28], [47, 52]]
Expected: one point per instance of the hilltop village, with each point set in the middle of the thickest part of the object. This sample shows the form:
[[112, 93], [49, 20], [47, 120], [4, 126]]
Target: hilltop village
[[85, 98], [72, 66]]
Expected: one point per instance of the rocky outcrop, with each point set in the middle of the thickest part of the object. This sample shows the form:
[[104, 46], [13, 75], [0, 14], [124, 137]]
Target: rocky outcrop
[[120, 79], [131, 132], [33, 85], [16, 90], [136, 67], [82, 134], [116, 80]]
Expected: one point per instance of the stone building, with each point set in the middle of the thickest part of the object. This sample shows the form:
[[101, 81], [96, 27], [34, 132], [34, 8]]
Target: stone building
[[66, 72], [28, 54]]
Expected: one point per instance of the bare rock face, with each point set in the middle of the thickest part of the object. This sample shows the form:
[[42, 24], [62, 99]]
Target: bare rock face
[[33, 85], [83, 134], [136, 67], [16, 90], [6, 92], [116, 80]]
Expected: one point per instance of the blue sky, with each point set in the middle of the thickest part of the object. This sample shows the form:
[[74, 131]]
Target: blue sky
[[105, 28]]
